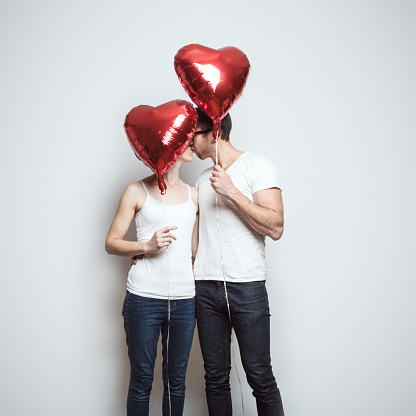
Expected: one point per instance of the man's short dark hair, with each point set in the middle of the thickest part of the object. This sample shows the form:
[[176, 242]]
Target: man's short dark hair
[[206, 123]]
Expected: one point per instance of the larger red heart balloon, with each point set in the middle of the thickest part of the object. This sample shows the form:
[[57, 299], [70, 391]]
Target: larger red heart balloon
[[159, 135], [214, 79]]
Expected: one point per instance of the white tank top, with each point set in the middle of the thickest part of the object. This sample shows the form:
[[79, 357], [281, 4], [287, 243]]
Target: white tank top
[[166, 273]]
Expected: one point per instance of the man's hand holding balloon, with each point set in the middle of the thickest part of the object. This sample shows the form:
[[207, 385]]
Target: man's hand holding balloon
[[222, 183]]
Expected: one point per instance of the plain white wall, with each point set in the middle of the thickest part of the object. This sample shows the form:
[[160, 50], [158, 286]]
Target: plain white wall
[[330, 99]]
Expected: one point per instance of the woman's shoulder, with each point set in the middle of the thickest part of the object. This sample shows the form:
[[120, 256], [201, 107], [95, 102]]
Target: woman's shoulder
[[135, 192], [194, 195], [194, 191], [135, 187], [143, 184]]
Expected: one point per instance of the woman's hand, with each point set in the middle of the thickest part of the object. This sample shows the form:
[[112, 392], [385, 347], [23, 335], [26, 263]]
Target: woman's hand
[[161, 238]]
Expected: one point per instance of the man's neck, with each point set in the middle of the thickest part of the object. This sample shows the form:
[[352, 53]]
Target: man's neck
[[227, 154]]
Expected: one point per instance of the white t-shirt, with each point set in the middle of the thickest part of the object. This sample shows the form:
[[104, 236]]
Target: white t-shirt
[[242, 247]]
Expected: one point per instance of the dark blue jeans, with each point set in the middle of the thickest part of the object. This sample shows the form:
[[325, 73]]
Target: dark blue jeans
[[250, 318], [144, 319]]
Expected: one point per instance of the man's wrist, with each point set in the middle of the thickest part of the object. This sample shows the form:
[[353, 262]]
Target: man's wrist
[[234, 195]]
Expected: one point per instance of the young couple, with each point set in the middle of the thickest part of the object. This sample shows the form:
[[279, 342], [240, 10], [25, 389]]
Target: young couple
[[227, 246]]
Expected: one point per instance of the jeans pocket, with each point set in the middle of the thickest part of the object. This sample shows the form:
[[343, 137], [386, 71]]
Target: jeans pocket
[[255, 291]]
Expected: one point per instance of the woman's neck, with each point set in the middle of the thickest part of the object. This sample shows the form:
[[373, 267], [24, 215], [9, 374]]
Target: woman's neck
[[172, 175]]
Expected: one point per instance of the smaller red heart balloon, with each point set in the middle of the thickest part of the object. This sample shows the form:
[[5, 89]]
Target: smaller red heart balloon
[[214, 79], [159, 135]]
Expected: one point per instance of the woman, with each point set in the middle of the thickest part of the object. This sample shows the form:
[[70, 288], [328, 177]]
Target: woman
[[160, 285]]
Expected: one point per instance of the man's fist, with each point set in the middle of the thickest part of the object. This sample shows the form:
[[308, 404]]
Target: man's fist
[[221, 181]]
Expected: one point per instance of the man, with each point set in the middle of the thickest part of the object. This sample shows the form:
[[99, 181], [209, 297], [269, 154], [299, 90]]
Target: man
[[231, 247]]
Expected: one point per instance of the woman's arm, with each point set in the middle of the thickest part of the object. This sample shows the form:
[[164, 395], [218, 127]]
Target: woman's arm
[[131, 202], [195, 233], [195, 238]]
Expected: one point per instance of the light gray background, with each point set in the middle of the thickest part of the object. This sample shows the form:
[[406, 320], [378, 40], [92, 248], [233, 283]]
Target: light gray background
[[330, 99]]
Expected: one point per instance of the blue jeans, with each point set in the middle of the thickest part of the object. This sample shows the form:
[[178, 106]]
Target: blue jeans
[[144, 319], [250, 318]]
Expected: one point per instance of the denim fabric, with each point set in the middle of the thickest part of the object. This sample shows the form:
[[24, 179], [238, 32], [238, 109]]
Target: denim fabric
[[250, 318], [144, 319]]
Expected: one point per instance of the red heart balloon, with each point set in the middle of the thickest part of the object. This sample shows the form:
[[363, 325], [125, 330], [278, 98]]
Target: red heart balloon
[[159, 135], [214, 79]]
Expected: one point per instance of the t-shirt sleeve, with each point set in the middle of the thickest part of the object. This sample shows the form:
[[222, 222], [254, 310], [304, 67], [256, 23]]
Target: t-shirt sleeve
[[264, 175]]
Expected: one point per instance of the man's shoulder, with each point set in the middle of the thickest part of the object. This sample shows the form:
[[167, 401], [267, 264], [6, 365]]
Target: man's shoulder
[[207, 171], [204, 173], [255, 161], [203, 177], [259, 171], [257, 158]]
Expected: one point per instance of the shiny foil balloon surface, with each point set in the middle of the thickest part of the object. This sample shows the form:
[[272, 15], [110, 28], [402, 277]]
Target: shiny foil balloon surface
[[214, 79], [159, 135]]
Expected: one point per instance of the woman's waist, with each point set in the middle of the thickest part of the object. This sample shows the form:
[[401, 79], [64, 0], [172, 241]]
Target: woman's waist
[[161, 278], [170, 262], [172, 254]]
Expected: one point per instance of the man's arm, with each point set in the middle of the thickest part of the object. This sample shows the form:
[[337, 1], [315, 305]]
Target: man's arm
[[265, 214]]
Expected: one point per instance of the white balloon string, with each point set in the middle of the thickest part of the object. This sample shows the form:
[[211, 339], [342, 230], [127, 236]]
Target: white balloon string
[[167, 340], [216, 151], [225, 286]]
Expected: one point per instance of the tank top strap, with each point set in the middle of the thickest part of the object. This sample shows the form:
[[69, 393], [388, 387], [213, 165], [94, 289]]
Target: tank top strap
[[144, 186], [189, 190]]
